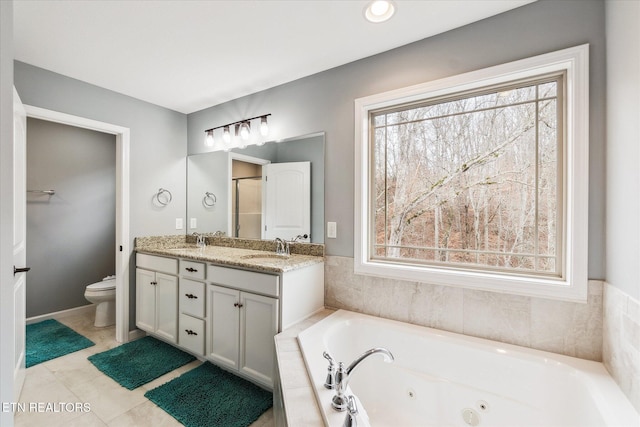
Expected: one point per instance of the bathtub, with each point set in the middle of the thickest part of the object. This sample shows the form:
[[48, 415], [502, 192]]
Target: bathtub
[[443, 379]]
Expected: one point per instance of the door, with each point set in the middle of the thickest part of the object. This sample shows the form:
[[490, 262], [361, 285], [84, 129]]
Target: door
[[224, 325], [19, 240], [287, 200], [258, 326]]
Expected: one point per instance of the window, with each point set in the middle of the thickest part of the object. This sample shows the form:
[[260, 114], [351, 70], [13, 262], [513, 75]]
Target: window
[[479, 180]]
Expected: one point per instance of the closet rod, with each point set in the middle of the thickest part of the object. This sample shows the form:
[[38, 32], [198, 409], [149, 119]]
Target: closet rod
[[49, 192]]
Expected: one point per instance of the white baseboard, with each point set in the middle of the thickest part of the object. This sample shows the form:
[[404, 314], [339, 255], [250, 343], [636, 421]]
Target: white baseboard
[[62, 314]]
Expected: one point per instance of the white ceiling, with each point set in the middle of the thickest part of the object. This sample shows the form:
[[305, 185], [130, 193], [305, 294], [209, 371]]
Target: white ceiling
[[190, 55]]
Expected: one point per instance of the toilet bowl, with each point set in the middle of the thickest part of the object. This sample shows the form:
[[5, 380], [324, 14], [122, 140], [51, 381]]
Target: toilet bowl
[[104, 295]]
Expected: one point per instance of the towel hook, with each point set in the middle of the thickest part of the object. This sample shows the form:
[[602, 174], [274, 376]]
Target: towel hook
[[209, 199], [167, 196]]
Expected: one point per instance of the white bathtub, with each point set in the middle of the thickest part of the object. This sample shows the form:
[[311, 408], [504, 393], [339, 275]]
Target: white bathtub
[[444, 379]]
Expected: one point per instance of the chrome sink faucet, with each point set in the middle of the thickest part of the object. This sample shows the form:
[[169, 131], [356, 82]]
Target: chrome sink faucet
[[200, 242], [340, 379], [282, 247]]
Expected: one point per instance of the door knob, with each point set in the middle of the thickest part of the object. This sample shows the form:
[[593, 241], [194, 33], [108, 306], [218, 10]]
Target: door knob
[[20, 270]]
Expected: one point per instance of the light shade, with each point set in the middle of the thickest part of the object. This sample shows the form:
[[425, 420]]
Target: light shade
[[245, 130], [264, 127], [226, 135], [208, 139]]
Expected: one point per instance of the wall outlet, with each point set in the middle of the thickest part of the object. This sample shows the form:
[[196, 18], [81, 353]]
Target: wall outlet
[[332, 230], [179, 224], [193, 223]]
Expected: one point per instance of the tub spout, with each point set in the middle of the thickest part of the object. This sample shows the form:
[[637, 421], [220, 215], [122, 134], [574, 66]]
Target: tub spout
[[343, 375]]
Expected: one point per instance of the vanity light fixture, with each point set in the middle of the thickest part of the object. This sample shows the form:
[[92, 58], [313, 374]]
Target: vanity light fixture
[[242, 129], [379, 11]]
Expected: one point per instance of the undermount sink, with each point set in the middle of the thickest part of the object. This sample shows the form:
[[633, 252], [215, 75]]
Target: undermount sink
[[267, 256]]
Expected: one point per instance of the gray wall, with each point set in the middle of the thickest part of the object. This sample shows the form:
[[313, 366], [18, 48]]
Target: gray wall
[[70, 235], [623, 146], [324, 102], [157, 154]]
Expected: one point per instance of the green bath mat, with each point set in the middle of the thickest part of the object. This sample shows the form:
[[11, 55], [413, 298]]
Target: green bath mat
[[210, 396], [50, 339], [138, 362]]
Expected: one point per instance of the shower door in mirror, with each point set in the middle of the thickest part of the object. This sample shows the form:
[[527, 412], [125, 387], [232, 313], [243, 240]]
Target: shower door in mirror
[[247, 207]]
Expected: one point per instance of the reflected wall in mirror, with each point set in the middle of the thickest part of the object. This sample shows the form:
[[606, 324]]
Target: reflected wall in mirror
[[224, 193]]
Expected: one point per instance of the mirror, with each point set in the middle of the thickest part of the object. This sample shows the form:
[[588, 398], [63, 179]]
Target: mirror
[[215, 178]]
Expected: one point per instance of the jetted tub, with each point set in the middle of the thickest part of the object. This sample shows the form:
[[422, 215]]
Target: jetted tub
[[443, 379]]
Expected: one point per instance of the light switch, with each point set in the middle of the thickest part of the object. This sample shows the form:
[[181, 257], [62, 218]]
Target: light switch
[[179, 224], [193, 223], [331, 230]]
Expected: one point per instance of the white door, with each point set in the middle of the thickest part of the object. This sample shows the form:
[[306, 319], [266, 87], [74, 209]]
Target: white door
[[19, 239], [287, 200], [258, 326]]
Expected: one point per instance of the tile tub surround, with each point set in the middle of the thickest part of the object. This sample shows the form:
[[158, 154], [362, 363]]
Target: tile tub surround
[[572, 329], [621, 344], [178, 241]]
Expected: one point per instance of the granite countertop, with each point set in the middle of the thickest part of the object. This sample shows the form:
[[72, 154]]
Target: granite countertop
[[258, 260]]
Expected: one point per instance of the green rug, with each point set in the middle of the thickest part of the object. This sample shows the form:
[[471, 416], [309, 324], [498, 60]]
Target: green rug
[[50, 339], [210, 396], [138, 362]]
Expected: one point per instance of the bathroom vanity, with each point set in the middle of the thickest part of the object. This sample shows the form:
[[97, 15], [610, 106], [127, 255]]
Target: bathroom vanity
[[225, 304]]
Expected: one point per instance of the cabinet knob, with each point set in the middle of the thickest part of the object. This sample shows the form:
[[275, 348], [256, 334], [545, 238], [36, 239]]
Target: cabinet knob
[[153, 283], [190, 332], [239, 305], [192, 270], [191, 296]]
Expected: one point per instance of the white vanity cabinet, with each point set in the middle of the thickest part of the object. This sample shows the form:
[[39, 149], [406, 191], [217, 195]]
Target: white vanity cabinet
[[241, 330], [225, 313], [157, 296]]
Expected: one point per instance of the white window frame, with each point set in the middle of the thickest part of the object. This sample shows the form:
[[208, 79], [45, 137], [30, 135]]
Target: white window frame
[[573, 285]]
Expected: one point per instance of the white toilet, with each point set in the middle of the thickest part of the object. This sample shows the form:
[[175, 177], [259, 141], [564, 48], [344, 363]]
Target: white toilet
[[104, 295]]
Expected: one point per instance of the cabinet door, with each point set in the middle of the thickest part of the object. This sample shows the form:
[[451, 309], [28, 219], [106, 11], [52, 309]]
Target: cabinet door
[[167, 307], [258, 326], [145, 300], [223, 325]]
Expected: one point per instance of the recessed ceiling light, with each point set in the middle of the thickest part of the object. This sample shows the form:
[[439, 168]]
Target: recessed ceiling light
[[379, 11]]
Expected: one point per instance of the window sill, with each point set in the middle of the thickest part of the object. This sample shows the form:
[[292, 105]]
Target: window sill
[[569, 289]]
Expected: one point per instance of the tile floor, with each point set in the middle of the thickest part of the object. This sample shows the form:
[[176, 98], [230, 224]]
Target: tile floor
[[73, 379]]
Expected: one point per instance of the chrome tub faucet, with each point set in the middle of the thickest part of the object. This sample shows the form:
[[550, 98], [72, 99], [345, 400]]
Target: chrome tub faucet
[[339, 379]]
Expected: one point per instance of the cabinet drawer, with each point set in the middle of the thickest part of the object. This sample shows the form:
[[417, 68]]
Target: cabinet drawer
[[251, 281], [194, 270], [192, 334], [157, 263], [192, 297]]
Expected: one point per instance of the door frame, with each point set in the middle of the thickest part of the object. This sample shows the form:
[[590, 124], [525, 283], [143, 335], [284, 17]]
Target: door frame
[[122, 249], [247, 159]]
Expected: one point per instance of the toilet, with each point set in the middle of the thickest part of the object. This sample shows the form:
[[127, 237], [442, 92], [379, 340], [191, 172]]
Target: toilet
[[104, 295]]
